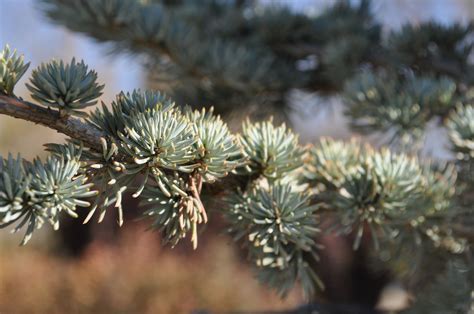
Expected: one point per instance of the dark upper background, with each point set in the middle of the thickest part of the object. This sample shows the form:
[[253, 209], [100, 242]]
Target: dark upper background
[[25, 28]]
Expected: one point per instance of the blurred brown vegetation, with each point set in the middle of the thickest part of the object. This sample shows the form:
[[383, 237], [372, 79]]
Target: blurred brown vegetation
[[135, 275]]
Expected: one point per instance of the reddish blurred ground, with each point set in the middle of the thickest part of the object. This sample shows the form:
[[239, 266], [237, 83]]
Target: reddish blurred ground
[[135, 275]]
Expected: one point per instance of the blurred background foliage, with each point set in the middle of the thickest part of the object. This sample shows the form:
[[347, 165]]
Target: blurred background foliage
[[134, 275]]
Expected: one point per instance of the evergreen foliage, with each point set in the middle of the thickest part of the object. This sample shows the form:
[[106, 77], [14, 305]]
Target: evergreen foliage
[[37, 192], [12, 68], [379, 192], [227, 53], [278, 226], [451, 294], [410, 102], [276, 191], [461, 132], [272, 151], [69, 87]]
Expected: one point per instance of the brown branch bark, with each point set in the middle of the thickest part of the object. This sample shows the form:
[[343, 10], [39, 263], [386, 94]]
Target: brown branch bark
[[72, 127]]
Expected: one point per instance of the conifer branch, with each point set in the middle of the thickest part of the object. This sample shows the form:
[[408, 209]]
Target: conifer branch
[[72, 127], [272, 191]]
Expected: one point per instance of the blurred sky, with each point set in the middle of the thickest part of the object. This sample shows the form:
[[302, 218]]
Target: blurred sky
[[23, 26]]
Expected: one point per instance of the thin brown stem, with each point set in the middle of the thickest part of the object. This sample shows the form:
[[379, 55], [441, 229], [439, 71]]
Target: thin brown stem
[[72, 127], [195, 192]]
